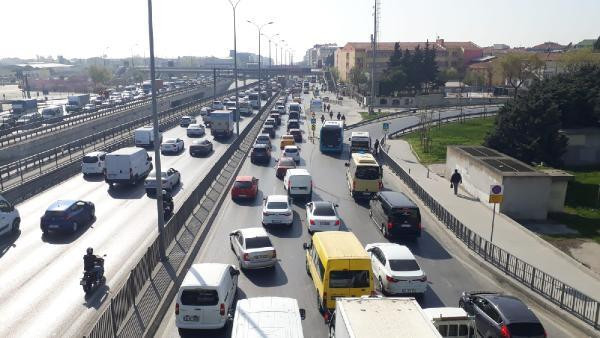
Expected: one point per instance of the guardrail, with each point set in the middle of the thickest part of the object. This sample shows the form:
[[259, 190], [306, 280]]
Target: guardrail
[[15, 134], [25, 171], [566, 297], [112, 320]]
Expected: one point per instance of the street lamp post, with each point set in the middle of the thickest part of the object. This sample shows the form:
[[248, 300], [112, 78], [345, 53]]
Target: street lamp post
[[159, 196], [235, 71], [259, 28], [270, 59]]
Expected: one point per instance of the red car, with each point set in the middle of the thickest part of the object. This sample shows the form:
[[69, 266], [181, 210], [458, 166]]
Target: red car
[[283, 165], [244, 187]]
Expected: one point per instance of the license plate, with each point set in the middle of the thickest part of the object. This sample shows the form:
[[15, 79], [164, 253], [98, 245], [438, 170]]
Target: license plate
[[191, 318], [243, 196], [408, 290], [405, 226], [262, 257], [112, 175], [53, 226], [324, 223]]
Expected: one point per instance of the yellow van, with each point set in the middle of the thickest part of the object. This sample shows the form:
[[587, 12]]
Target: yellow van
[[363, 175], [339, 267]]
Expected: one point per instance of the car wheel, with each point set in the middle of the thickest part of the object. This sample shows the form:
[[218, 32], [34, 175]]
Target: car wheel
[[380, 285], [307, 268], [15, 225], [75, 226]]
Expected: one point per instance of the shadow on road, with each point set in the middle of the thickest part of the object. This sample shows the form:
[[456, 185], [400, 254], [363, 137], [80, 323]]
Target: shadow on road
[[269, 277], [98, 298], [427, 247], [67, 238], [8, 242], [127, 192], [284, 231]]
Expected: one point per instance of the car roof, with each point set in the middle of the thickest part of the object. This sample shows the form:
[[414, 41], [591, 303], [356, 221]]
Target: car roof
[[96, 153], [204, 274], [286, 159], [244, 178], [61, 205], [259, 145], [394, 251], [511, 308], [397, 199], [264, 136], [322, 204], [295, 130], [290, 147], [253, 232], [267, 317], [203, 141], [277, 198], [298, 171]]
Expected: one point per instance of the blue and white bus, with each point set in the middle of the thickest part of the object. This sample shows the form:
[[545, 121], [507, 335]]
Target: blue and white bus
[[332, 137]]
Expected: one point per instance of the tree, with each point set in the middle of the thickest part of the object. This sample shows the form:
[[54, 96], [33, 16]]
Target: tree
[[99, 75], [450, 74], [357, 76], [574, 60], [597, 44], [335, 73], [517, 68], [473, 78]]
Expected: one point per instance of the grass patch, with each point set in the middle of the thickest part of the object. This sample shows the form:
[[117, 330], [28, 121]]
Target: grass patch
[[471, 132], [366, 116]]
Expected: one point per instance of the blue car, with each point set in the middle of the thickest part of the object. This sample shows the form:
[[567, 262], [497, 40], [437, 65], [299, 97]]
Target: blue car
[[67, 216]]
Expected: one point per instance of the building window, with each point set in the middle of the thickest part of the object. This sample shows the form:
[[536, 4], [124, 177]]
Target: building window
[[395, 102], [383, 101]]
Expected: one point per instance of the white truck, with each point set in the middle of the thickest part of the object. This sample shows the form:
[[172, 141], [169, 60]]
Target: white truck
[[127, 166], [367, 317], [452, 321], [9, 217], [77, 102], [144, 137], [221, 123]]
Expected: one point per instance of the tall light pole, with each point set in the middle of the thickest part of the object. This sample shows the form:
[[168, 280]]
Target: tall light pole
[[259, 28], [159, 196], [374, 41], [281, 62], [270, 59], [235, 72]]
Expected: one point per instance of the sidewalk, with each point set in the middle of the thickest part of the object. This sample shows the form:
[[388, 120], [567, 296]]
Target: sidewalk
[[508, 234]]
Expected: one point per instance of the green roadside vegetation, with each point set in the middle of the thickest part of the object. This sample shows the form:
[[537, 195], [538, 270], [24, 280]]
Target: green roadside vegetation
[[366, 116]]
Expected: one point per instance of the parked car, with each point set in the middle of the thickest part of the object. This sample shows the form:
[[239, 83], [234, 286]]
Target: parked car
[[297, 133], [201, 147], [169, 178], [322, 216], [292, 152], [286, 140], [185, 121], [253, 248], [67, 216], [499, 315], [244, 187], [195, 130], [283, 165], [261, 153], [277, 209], [396, 270], [171, 145], [93, 163]]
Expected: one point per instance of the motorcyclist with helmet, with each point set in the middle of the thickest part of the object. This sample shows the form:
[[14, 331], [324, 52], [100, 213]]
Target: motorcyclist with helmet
[[93, 264]]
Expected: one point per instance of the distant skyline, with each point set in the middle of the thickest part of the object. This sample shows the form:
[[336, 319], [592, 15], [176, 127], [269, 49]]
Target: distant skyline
[[81, 29]]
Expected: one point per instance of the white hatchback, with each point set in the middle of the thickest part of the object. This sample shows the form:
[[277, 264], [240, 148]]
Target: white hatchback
[[396, 270], [277, 210], [292, 152], [93, 163]]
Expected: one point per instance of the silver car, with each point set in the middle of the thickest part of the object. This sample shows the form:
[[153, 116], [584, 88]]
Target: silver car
[[253, 248], [195, 129], [170, 179]]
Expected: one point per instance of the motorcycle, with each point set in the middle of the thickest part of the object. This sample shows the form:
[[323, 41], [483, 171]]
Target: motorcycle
[[168, 205], [89, 281]]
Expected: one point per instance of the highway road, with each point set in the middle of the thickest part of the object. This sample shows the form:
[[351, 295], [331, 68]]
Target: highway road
[[450, 270], [40, 293]]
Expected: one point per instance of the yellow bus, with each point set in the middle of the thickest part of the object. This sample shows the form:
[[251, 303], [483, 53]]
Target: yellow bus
[[363, 175], [339, 267]]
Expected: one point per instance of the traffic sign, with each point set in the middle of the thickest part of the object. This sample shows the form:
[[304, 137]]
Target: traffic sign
[[386, 127], [496, 193], [313, 126], [313, 121]]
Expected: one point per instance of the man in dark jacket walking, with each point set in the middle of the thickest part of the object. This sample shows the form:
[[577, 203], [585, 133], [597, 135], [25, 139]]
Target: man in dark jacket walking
[[455, 180]]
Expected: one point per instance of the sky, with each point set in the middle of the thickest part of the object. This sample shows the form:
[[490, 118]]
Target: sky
[[119, 28]]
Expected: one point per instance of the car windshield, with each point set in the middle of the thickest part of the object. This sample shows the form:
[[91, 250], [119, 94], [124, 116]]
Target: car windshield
[[367, 173], [349, 279], [242, 185], [324, 210], [277, 205], [404, 265], [199, 297], [169, 141], [90, 159], [258, 242]]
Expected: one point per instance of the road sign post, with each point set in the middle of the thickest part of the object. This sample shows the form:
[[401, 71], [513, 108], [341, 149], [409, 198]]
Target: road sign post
[[313, 127], [496, 196]]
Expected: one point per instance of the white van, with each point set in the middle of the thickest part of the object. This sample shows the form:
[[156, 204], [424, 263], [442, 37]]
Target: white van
[[298, 182], [144, 137], [9, 217], [268, 317], [93, 163], [206, 296], [52, 114], [127, 165], [452, 321]]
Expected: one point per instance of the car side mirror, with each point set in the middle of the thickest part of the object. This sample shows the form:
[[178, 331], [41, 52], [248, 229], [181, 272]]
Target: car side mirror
[[302, 314], [236, 272], [346, 164], [232, 233], [370, 250], [149, 158]]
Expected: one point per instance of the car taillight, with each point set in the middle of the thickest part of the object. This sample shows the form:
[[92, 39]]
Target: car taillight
[[504, 333], [390, 226], [380, 185], [353, 185], [391, 279], [176, 308], [274, 253], [312, 222], [246, 257], [337, 222], [222, 309]]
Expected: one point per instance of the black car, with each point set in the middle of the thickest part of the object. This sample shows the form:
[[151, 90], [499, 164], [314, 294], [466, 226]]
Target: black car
[[293, 124], [499, 315], [261, 153], [297, 133], [268, 130], [271, 122], [201, 147], [264, 139], [395, 215], [276, 117]]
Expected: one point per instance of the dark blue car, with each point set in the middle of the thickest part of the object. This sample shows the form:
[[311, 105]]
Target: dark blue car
[[67, 216]]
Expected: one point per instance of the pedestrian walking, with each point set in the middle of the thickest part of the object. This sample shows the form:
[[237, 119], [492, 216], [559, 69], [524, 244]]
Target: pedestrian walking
[[339, 116], [328, 107], [376, 147], [455, 180], [322, 119], [331, 115]]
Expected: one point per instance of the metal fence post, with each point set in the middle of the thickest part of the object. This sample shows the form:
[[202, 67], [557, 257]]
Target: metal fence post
[[597, 313], [562, 295], [40, 163], [112, 318], [20, 171], [507, 261], [532, 278]]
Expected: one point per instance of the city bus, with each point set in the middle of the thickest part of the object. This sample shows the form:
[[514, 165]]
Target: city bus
[[331, 137], [253, 98]]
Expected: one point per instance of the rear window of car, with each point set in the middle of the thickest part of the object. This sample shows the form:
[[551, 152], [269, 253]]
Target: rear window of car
[[293, 125], [349, 279], [90, 159], [199, 297], [404, 265], [526, 329], [401, 215], [259, 151], [242, 184], [367, 173], [258, 242], [169, 141], [277, 205], [323, 210]]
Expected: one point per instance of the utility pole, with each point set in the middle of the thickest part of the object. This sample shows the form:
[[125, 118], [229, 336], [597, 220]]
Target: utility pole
[[374, 41], [259, 28], [214, 83], [235, 71]]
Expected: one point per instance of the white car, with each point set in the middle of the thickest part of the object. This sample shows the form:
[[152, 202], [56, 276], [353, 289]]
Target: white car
[[171, 145], [277, 210], [93, 163], [396, 270], [217, 105], [281, 109], [292, 152], [170, 179], [253, 248], [195, 130], [322, 216]]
